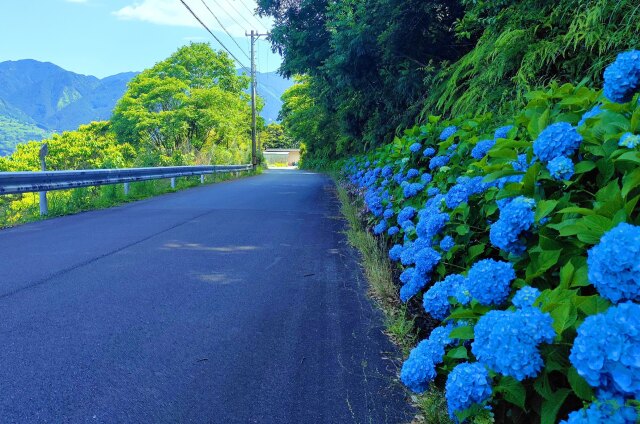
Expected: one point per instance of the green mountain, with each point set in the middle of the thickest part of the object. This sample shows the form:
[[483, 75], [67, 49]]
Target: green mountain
[[38, 99]]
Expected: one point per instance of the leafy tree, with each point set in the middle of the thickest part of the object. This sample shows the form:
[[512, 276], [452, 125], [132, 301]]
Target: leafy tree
[[274, 137]]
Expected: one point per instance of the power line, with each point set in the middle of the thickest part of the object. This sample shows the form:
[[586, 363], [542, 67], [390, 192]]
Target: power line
[[225, 29], [238, 12], [213, 35], [230, 15], [253, 15]]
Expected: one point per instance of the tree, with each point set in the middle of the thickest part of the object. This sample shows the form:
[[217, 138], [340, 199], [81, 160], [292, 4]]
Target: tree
[[275, 137]]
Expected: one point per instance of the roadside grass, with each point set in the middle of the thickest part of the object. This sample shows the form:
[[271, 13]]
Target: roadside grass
[[399, 327], [21, 209]]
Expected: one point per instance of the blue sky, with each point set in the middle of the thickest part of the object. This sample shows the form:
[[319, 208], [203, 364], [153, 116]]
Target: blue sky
[[105, 37]]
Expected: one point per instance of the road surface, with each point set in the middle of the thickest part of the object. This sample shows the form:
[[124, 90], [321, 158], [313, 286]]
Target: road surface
[[233, 303]]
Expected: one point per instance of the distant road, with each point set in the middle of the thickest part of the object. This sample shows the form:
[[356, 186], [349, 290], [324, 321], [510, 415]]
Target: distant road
[[233, 303]]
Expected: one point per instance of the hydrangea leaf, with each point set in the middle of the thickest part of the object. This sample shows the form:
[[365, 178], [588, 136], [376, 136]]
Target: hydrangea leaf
[[591, 305], [513, 391], [630, 182], [459, 352], [629, 157], [544, 208], [584, 167], [550, 407], [541, 262], [463, 333], [579, 385], [564, 316]]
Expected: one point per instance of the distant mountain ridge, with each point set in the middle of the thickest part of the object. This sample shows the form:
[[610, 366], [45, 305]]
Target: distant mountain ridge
[[40, 98]]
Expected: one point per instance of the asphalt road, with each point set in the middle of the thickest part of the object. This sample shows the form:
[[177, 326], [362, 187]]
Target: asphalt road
[[233, 303]]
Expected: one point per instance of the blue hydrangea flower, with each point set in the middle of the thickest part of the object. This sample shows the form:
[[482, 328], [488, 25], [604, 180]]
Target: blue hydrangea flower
[[507, 341], [438, 161], [395, 252], [561, 168], [606, 352], [610, 411], [392, 231], [374, 203], [629, 140], [559, 139], [595, 111], [482, 148], [503, 132], [388, 213], [622, 77], [614, 264], [452, 148], [413, 286], [428, 152], [431, 220], [447, 243], [448, 132], [525, 297], [440, 335], [433, 191], [412, 173], [522, 164], [426, 178], [489, 281], [465, 188], [467, 385], [380, 228], [436, 299], [426, 260], [410, 190], [406, 214], [387, 171], [419, 370], [516, 217], [415, 147]]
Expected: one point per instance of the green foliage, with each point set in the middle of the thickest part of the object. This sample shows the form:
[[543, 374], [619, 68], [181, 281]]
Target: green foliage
[[570, 217], [274, 137], [14, 132]]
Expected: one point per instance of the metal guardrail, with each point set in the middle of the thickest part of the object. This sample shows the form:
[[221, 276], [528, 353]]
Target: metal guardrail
[[43, 181]]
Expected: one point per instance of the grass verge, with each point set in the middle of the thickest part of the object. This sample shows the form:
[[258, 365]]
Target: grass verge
[[21, 209], [399, 327]]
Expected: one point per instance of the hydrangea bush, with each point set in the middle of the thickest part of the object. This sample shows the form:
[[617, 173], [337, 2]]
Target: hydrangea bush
[[523, 239]]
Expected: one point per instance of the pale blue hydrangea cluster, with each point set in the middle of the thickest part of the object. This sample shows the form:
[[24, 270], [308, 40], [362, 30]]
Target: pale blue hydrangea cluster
[[611, 411], [502, 132], [606, 352], [447, 243], [508, 341], [380, 228], [428, 152], [489, 281], [559, 139], [448, 132], [622, 77], [614, 264], [419, 370], [436, 300], [516, 217], [415, 147], [438, 162], [525, 297], [629, 140], [467, 384], [481, 149], [592, 113], [561, 168]]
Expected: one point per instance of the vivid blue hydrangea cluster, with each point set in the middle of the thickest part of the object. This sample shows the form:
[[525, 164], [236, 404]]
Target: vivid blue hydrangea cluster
[[592, 113], [606, 351], [611, 411], [489, 281], [525, 297], [431, 219], [412, 173], [559, 139], [388, 213], [438, 162], [481, 149], [467, 384], [412, 189], [406, 214], [415, 147], [507, 341], [561, 168], [380, 227], [502, 132], [516, 217], [622, 77], [419, 370], [522, 164], [614, 264], [395, 252], [428, 152], [387, 171], [448, 132], [629, 140], [464, 188], [426, 178], [433, 191], [392, 231], [447, 243], [436, 300]]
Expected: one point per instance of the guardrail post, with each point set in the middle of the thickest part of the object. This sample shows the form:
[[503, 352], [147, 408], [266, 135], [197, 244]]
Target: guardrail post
[[44, 203], [173, 182], [202, 179], [126, 189]]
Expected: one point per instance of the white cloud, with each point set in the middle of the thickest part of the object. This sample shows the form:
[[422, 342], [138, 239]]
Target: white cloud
[[172, 12]]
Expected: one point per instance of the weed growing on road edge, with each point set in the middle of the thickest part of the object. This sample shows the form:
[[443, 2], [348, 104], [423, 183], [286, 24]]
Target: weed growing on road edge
[[399, 327]]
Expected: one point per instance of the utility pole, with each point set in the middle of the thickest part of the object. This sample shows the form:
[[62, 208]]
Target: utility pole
[[255, 35]]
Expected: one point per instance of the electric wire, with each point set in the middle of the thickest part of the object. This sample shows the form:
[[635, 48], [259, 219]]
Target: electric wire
[[225, 29], [248, 9]]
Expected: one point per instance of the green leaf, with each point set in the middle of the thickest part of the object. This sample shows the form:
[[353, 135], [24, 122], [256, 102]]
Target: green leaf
[[550, 407], [580, 387], [630, 182], [564, 316], [542, 262], [629, 157], [475, 251], [544, 208], [575, 209], [459, 352], [584, 167], [513, 390], [463, 230], [462, 333], [591, 305]]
